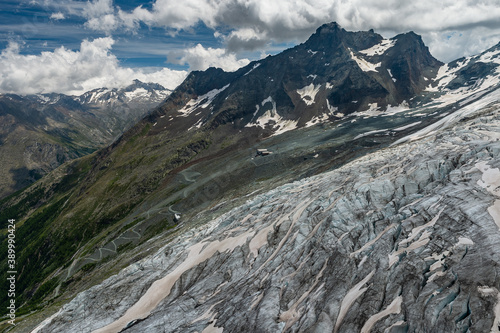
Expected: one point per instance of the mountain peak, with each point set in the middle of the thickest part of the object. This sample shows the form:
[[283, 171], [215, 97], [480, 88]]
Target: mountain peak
[[333, 74], [329, 31], [329, 28], [410, 37], [331, 36]]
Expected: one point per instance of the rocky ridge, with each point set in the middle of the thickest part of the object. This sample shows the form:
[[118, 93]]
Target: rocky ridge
[[138, 92], [404, 239]]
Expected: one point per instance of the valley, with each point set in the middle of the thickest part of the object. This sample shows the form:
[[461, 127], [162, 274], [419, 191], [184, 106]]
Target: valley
[[41, 132]]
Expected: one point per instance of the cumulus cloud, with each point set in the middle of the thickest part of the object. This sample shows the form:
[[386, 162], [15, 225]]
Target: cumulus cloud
[[73, 72], [101, 15], [450, 45], [255, 23], [201, 58], [57, 16], [184, 14], [131, 20], [246, 39]]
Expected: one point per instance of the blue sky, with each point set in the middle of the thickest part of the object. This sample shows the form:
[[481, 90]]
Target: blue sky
[[31, 24], [76, 45]]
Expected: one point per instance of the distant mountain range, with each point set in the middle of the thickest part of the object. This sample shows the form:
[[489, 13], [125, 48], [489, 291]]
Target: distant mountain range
[[343, 185], [40, 132]]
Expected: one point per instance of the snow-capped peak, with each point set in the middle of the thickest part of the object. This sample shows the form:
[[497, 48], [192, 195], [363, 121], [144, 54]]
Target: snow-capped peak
[[137, 91]]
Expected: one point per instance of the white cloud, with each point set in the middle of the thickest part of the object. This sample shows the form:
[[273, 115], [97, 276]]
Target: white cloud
[[131, 20], [255, 23], [66, 7], [201, 58], [450, 45], [98, 8], [101, 16], [57, 16], [166, 77], [186, 13], [246, 39], [73, 72]]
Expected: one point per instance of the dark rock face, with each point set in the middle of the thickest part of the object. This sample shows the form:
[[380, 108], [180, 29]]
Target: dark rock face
[[404, 239], [333, 74], [411, 65]]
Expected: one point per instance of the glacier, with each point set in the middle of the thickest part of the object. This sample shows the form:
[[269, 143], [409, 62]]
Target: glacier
[[401, 239]]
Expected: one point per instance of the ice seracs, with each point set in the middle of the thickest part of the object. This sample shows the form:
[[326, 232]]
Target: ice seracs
[[393, 308], [409, 222], [490, 181], [398, 239], [351, 296], [492, 292], [491, 99]]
